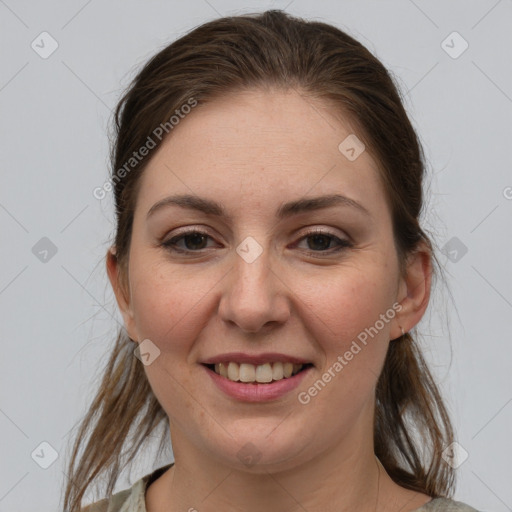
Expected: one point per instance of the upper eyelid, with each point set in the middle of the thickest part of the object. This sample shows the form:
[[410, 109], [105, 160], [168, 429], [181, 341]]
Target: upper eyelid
[[309, 232], [300, 232]]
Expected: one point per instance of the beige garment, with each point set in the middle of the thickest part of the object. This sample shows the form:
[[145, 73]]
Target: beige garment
[[133, 499]]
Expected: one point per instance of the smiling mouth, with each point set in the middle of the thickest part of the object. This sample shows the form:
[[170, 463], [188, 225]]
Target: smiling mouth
[[257, 374]]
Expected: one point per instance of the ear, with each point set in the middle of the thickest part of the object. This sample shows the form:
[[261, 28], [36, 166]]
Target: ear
[[119, 285], [414, 290]]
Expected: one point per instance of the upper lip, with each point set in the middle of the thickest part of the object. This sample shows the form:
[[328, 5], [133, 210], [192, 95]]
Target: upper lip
[[256, 359]]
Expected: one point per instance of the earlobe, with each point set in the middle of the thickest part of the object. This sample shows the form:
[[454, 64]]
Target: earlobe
[[122, 295], [415, 290]]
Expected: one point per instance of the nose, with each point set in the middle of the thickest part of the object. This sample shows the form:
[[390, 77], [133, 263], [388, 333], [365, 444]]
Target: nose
[[254, 297]]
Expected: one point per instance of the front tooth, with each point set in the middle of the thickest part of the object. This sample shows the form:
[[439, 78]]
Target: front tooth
[[277, 370], [287, 369], [247, 372], [222, 370], [264, 373], [233, 371]]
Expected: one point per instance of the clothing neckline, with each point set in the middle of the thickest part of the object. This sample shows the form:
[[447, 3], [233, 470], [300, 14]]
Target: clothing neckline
[[157, 473]]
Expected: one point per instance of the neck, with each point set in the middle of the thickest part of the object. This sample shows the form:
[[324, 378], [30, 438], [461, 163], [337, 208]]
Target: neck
[[346, 478]]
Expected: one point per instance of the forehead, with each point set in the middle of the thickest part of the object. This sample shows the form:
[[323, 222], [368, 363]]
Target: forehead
[[257, 148]]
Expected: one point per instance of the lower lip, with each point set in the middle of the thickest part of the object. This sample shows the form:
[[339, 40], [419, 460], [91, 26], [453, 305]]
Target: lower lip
[[257, 392]]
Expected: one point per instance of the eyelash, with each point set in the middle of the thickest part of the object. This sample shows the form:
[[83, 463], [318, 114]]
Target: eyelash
[[343, 244]]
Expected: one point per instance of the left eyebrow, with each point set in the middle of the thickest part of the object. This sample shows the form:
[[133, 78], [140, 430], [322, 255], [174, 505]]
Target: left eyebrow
[[210, 207]]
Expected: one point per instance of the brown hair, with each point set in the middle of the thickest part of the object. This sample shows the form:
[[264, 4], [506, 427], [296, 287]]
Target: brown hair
[[271, 49]]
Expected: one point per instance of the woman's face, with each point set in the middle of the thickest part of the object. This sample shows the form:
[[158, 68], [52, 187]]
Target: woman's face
[[261, 281]]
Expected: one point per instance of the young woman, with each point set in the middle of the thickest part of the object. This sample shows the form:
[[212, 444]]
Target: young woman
[[269, 265]]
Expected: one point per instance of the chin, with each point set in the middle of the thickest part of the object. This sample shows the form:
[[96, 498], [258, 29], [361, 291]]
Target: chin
[[260, 454]]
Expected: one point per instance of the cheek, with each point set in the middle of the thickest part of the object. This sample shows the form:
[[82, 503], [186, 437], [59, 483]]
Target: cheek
[[342, 312], [348, 301], [170, 302]]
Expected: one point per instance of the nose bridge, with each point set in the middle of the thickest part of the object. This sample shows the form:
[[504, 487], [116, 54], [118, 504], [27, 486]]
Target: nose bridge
[[253, 296]]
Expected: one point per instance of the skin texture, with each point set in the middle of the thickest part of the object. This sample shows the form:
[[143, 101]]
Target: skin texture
[[252, 151]]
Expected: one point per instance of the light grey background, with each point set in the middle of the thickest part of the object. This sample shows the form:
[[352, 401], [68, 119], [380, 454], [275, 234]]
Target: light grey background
[[59, 318]]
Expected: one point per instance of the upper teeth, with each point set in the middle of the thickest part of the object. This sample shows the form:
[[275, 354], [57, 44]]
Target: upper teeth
[[267, 372]]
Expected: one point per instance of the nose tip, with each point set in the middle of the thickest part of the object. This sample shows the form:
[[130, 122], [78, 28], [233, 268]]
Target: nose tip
[[254, 297]]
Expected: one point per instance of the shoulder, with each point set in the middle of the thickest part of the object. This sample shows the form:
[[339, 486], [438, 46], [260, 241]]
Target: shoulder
[[128, 500], [117, 502], [446, 504]]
